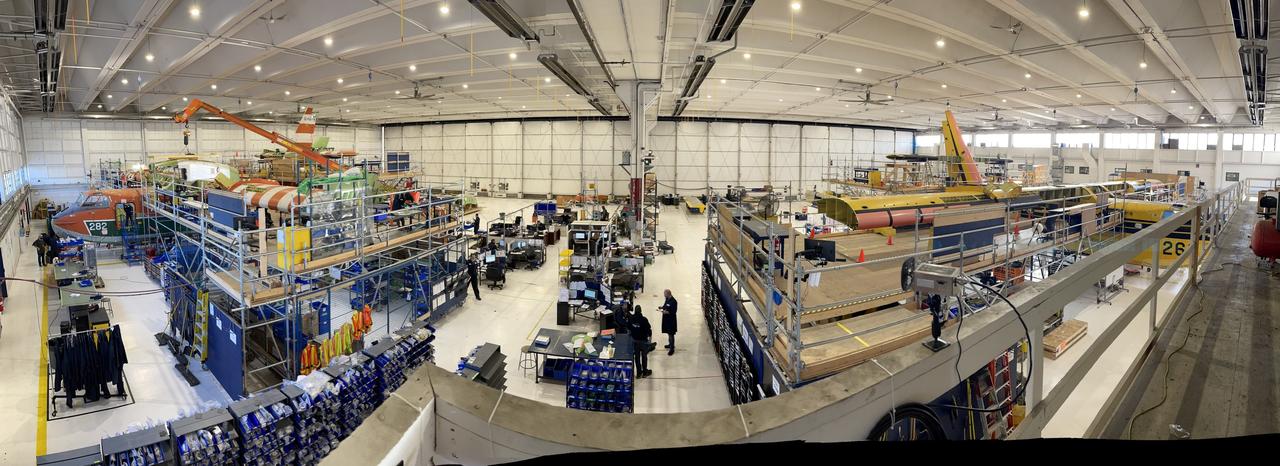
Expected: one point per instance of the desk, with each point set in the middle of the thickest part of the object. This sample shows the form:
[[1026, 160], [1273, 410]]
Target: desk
[[76, 295], [622, 348], [70, 271]]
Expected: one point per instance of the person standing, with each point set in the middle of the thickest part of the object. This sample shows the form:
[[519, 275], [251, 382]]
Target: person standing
[[669, 321], [474, 275], [42, 248], [641, 332]]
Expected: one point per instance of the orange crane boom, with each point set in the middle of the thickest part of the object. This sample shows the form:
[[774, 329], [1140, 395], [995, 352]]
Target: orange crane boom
[[197, 105]]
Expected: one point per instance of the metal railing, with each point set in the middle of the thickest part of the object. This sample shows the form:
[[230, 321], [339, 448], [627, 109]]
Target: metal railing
[[1048, 249]]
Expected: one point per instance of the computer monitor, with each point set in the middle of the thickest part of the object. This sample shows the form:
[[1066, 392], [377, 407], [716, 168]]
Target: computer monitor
[[589, 294], [579, 236], [821, 248], [489, 258]]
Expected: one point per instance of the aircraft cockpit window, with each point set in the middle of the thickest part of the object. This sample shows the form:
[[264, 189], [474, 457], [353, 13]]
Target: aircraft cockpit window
[[96, 200]]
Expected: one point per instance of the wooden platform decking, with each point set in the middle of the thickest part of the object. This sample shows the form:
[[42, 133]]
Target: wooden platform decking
[[865, 303], [230, 283]]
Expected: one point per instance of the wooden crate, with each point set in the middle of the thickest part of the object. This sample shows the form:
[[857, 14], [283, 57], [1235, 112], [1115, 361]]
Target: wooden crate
[[1061, 338]]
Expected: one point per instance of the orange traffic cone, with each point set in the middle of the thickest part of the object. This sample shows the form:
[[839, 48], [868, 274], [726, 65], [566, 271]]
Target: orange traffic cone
[[862, 256]]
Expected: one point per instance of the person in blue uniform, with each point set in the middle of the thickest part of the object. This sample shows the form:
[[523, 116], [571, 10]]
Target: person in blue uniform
[[641, 333]]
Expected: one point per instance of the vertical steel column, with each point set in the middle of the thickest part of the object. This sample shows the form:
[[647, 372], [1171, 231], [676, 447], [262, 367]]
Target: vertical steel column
[[1193, 280], [1155, 275]]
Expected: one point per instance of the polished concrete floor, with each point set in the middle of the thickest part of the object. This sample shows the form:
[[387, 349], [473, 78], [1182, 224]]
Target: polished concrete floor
[[1215, 374], [689, 380]]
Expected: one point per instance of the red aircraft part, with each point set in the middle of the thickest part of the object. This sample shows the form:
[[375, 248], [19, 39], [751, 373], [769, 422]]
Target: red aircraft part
[[1266, 240], [899, 217]]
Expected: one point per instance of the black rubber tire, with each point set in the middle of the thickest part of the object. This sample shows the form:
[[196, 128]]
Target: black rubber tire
[[915, 411]]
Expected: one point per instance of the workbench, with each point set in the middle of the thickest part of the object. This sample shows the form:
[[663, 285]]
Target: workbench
[[623, 348]]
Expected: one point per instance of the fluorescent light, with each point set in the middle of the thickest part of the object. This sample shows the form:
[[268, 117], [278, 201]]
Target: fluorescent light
[[505, 18], [552, 62], [728, 19]]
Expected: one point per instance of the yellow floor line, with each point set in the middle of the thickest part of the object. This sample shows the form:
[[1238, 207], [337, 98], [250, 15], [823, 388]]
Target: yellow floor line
[[42, 428], [855, 337], [539, 322]]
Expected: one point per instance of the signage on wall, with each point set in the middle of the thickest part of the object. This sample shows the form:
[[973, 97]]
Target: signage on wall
[[1070, 170], [1084, 170], [1233, 176]]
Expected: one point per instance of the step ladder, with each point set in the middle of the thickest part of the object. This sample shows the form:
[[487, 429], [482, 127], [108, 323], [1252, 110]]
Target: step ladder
[[200, 326]]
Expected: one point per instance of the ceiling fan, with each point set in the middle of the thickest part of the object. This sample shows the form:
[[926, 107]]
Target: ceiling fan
[[866, 99], [417, 95], [1012, 28]]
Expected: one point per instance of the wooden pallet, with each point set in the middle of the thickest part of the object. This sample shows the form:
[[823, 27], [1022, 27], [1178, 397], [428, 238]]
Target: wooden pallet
[[1061, 338]]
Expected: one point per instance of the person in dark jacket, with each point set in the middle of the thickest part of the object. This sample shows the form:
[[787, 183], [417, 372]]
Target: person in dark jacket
[[474, 275], [641, 332], [668, 309], [42, 248]]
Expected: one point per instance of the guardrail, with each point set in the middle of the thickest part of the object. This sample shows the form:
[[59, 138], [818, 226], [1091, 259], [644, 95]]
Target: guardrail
[[474, 424]]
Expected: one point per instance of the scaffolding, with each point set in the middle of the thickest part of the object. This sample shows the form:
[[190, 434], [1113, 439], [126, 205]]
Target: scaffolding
[[282, 277], [807, 311]]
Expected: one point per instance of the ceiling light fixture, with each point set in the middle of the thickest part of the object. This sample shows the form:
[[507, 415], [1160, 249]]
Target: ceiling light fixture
[[1084, 10], [779, 100], [124, 81], [1142, 64], [184, 99], [722, 81], [819, 89], [1173, 91], [213, 86], [257, 68], [328, 41], [340, 81], [1027, 75], [99, 105], [505, 18], [857, 70], [344, 99], [1077, 96], [511, 55], [1113, 109], [1191, 107], [465, 86], [552, 62], [944, 86], [286, 92], [194, 11], [1004, 101], [413, 67], [795, 6], [940, 43], [746, 56], [444, 9], [250, 103], [397, 92], [162, 107], [150, 57], [109, 96], [546, 80]]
